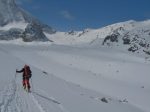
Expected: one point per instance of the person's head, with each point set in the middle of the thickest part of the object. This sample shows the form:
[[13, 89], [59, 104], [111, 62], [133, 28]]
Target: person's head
[[25, 65]]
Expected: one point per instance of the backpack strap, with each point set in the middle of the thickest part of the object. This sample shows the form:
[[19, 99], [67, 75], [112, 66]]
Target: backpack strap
[[26, 71]]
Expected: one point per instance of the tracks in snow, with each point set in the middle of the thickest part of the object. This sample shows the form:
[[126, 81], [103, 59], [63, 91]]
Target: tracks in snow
[[7, 99], [14, 99], [48, 104]]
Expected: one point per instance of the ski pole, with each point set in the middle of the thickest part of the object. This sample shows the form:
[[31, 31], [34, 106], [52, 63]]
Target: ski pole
[[15, 79], [32, 85], [16, 74]]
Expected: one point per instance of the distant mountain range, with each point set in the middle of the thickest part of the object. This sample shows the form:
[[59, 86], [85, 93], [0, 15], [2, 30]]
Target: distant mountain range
[[130, 35], [16, 23]]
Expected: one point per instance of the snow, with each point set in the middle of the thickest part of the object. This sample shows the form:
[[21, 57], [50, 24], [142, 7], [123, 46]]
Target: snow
[[96, 36], [73, 79], [19, 25], [74, 73]]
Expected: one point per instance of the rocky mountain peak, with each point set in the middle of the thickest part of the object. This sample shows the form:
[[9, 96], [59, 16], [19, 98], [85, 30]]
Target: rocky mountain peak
[[10, 12]]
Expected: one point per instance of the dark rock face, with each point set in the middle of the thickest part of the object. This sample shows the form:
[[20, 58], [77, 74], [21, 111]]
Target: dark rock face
[[126, 39], [133, 48], [47, 29], [134, 41], [83, 32], [104, 100], [147, 52], [71, 32], [11, 34], [111, 38], [33, 32]]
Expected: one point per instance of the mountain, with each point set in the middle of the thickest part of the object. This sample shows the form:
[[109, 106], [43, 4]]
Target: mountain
[[135, 38], [16, 23], [130, 35], [12, 18]]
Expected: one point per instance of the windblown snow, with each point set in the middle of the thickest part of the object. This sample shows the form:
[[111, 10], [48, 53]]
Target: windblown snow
[[73, 79]]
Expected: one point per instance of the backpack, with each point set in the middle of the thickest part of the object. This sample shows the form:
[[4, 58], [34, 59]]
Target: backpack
[[28, 71]]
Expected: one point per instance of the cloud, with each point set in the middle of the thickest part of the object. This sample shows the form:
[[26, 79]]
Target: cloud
[[67, 15]]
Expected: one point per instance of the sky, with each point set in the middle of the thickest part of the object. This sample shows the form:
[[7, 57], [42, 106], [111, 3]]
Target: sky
[[65, 15]]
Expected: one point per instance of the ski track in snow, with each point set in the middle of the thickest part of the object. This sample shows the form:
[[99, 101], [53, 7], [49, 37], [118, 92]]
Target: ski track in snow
[[14, 99], [10, 99], [50, 100], [7, 99], [37, 104]]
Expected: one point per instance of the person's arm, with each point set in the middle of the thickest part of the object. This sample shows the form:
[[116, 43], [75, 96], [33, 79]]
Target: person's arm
[[20, 70]]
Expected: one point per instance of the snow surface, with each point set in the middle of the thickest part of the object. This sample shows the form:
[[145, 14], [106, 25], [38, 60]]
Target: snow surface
[[19, 25], [73, 79]]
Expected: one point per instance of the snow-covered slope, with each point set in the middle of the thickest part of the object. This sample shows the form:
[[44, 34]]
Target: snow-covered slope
[[72, 79], [89, 35], [130, 35]]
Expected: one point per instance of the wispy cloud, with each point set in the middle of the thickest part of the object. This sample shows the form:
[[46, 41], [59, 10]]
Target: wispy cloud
[[67, 15]]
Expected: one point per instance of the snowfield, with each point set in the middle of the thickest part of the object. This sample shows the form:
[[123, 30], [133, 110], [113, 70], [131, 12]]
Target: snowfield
[[76, 71], [73, 79]]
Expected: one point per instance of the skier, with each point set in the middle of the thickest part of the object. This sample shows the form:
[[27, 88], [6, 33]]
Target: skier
[[26, 76]]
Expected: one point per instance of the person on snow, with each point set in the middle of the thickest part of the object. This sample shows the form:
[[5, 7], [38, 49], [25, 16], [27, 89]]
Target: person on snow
[[26, 76]]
